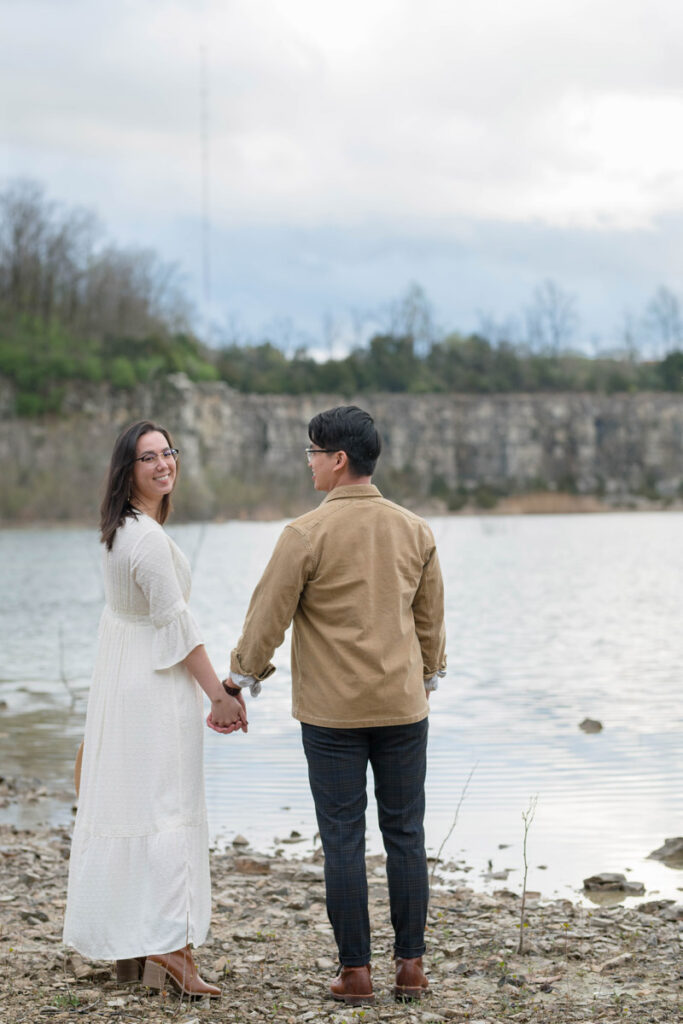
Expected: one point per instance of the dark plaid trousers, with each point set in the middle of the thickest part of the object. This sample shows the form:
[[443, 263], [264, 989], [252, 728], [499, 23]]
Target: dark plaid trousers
[[337, 771]]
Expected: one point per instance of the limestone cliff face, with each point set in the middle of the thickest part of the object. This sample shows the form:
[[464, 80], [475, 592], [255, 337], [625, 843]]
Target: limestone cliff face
[[242, 451]]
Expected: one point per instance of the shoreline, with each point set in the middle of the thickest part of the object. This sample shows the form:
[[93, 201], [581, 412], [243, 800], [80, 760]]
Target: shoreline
[[271, 950], [533, 503]]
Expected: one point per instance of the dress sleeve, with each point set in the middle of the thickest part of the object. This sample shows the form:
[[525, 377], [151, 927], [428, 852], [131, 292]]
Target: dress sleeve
[[175, 631]]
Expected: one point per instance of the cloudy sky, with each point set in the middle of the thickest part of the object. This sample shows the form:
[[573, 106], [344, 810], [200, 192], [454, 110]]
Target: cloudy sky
[[476, 148]]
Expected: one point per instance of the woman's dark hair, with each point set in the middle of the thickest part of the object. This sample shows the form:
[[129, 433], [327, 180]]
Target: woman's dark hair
[[116, 504], [348, 429]]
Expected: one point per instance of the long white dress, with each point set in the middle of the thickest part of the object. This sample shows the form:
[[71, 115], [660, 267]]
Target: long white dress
[[139, 870]]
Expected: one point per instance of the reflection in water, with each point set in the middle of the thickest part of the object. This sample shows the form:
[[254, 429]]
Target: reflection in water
[[550, 620]]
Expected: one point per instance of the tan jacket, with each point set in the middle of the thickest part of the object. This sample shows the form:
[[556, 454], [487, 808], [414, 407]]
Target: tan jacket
[[360, 578]]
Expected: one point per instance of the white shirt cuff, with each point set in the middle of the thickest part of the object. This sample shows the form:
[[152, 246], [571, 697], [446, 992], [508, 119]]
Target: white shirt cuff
[[246, 681], [432, 683]]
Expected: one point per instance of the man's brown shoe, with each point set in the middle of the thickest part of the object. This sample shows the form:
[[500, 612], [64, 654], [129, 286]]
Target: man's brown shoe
[[180, 969], [411, 981], [353, 986]]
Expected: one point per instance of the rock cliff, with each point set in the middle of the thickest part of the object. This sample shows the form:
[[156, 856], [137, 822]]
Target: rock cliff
[[243, 454]]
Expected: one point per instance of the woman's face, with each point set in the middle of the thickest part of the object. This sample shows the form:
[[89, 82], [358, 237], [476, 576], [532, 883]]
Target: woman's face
[[153, 477]]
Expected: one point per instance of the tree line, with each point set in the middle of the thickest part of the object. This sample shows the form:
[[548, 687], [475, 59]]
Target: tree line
[[74, 306]]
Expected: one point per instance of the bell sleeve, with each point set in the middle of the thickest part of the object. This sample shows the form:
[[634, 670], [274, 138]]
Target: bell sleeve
[[175, 631]]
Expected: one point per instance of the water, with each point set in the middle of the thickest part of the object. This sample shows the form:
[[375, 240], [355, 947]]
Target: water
[[550, 620]]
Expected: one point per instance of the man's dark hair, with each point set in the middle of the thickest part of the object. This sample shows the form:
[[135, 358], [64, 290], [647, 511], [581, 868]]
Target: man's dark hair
[[348, 429]]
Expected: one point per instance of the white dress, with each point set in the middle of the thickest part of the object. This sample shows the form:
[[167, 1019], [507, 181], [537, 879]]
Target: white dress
[[139, 870]]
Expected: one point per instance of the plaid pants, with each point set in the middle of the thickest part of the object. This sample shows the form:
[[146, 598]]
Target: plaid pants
[[337, 771]]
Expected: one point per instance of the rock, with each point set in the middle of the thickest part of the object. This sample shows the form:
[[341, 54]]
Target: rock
[[310, 872], [252, 865], [33, 915], [608, 881], [28, 879], [654, 906], [293, 837], [240, 841], [78, 966], [590, 725], [300, 904], [325, 964], [614, 962], [671, 853]]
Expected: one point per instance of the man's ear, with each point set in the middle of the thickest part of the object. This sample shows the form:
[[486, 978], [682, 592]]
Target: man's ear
[[342, 461]]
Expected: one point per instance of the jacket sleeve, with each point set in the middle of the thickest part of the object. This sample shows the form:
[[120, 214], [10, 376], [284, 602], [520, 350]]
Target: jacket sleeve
[[175, 631], [273, 605], [428, 613]]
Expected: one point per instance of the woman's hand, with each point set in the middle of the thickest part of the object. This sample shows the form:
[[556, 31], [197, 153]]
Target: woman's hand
[[228, 714]]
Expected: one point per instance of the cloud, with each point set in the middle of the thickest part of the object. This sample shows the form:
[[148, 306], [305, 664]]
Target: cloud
[[456, 131], [360, 111]]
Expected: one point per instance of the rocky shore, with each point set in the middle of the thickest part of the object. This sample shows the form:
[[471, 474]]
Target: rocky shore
[[271, 949]]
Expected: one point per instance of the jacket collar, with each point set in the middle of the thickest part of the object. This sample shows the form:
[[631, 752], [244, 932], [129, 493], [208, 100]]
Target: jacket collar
[[353, 491]]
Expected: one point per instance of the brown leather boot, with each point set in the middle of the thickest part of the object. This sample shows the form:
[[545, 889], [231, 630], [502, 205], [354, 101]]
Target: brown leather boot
[[353, 986], [180, 969], [131, 970], [411, 981]]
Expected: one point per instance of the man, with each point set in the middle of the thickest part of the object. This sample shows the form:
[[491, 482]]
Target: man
[[360, 579]]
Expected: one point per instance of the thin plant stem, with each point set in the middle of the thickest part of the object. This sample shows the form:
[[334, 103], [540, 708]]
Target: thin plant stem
[[63, 678], [453, 823], [527, 818]]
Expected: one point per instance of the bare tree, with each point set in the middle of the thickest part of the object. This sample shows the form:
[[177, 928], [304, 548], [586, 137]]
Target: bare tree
[[232, 332], [362, 323], [24, 224], [411, 316], [132, 293], [630, 334], [552, 318], [663, 321], [331, 332], [52, 268], [497, 331]]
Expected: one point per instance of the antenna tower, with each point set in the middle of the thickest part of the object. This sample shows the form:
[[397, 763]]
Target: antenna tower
[[206, 207]]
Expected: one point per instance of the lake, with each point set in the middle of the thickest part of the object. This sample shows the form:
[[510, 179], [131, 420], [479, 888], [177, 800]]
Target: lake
[[550, 619]]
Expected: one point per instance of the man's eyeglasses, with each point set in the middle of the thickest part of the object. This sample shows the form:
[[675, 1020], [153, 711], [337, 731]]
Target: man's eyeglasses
[[167, 453], [318, 451]]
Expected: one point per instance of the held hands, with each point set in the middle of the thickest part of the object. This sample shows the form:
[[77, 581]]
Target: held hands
[[228, 714]]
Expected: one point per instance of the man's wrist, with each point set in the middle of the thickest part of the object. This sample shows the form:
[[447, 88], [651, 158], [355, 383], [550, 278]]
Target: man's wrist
[[232, 691], [250, 683]]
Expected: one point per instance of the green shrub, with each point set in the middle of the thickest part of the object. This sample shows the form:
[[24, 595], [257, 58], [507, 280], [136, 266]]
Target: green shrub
[[121, 374]]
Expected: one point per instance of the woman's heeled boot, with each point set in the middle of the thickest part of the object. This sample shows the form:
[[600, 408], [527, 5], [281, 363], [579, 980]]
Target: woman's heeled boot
[[128, 971], [180, 969]]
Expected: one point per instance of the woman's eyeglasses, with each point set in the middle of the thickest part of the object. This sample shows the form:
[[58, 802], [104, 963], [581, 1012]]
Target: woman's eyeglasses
[[167, 453]]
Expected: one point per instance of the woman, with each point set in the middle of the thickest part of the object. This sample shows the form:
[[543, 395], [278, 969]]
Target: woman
[[139, 886]]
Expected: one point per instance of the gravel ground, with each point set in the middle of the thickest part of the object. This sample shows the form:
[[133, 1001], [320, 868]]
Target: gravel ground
[[271, 950]]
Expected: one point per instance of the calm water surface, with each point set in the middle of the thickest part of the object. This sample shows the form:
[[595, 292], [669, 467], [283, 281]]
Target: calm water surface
[[550, 619]]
